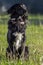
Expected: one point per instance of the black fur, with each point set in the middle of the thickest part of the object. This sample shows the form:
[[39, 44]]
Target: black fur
[[15, 26]]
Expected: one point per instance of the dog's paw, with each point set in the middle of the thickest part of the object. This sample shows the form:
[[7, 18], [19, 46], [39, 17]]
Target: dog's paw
[[26, 53], [8, 54]]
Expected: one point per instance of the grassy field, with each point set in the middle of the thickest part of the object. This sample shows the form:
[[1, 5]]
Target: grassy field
[[34, 39]]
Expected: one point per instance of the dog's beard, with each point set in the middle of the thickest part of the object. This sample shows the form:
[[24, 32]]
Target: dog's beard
[[19, 37]]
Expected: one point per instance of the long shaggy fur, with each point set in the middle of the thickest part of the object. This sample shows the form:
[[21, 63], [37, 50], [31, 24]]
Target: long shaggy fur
[[16, 31]]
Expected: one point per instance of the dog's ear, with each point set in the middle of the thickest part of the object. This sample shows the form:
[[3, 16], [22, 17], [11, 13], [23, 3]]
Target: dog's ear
[[17, 8], [12, 9]]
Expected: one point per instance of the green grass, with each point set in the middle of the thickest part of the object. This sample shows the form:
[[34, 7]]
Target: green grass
[[34, 39]]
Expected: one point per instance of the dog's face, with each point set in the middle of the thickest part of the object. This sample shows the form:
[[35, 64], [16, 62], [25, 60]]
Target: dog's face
[[19, 24]]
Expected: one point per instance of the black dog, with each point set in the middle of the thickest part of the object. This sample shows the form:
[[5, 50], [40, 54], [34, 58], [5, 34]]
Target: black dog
[[16, 30]]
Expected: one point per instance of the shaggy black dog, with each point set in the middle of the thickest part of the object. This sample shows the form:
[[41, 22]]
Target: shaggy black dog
[[16, 31]]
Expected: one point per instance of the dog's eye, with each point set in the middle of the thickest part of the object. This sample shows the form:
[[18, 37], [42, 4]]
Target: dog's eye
[[13, 22]]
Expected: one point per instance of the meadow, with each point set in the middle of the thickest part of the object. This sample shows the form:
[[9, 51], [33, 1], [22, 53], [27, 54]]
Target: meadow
[[34, 39]]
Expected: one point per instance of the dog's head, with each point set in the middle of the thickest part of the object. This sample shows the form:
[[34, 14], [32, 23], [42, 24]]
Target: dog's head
[[19, 24], [18, 10], [19, 13]]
